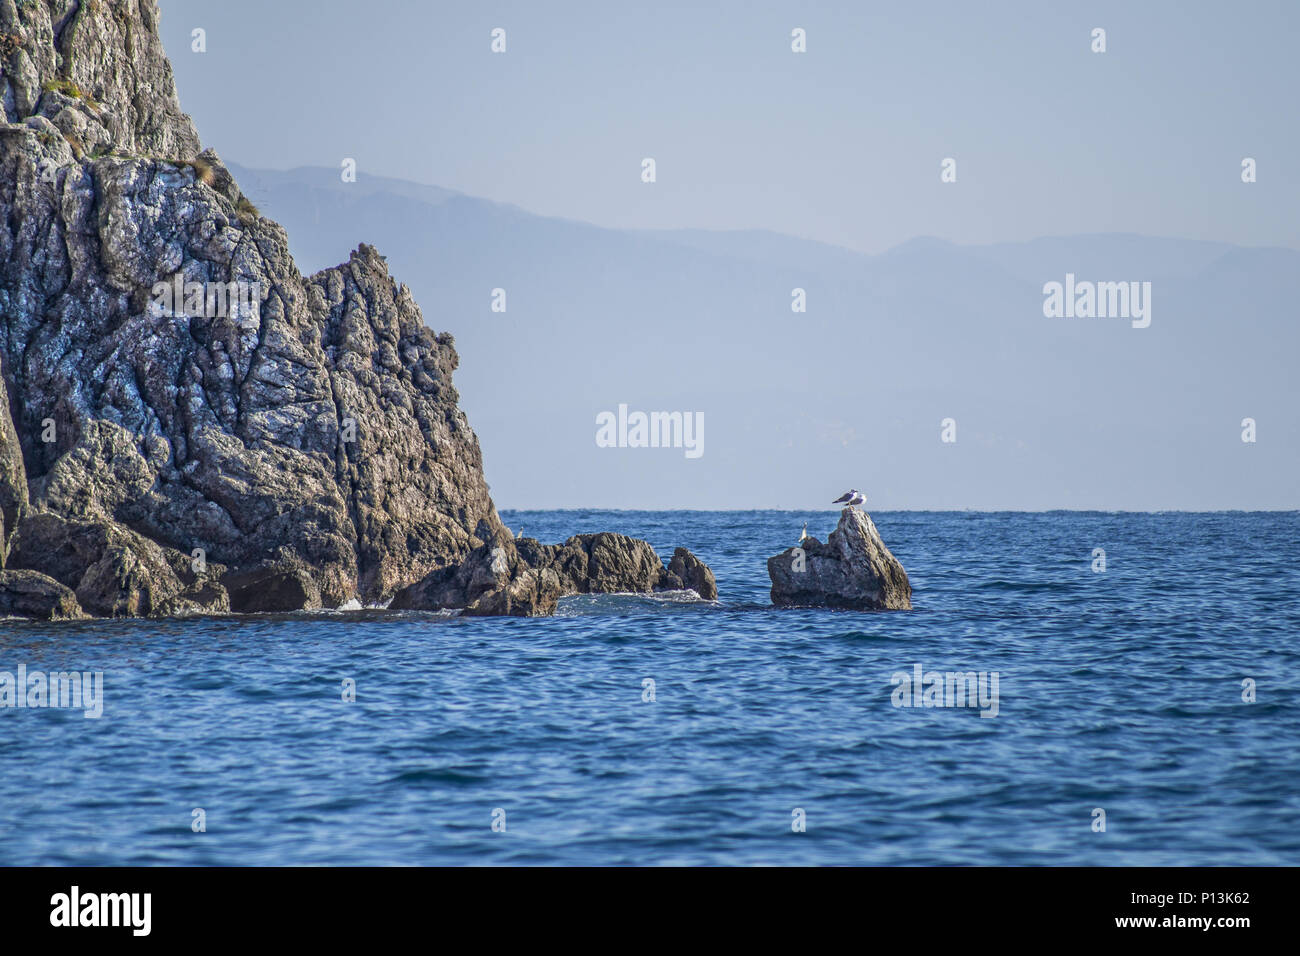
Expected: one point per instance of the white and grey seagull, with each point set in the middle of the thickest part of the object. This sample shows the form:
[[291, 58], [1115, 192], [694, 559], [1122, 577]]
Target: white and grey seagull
[[850, 498]]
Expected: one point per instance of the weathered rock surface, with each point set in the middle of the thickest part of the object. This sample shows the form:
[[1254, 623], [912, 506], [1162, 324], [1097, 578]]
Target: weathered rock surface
[[488, 567], [114, 571], [309, 440], [34, 595], [97, 71], [271, 588], [853, 569], [524, 577], [601, 563], [533, 593], [687, 572], [13, 474], [306, 441]]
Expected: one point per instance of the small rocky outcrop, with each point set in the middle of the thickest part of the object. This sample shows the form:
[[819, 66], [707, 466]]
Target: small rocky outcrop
[[686, 572], [115, 572], [31, 594], [853, 569], [609, 563], [488, 568], [525, 578]]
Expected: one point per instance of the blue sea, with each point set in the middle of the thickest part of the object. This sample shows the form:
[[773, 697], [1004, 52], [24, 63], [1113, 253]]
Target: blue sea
[[1119, 690]]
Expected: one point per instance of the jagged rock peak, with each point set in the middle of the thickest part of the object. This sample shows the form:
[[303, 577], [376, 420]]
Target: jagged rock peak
[[301, 433]]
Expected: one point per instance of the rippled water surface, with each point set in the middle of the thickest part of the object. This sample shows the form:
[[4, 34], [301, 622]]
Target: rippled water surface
[[1119, 690]]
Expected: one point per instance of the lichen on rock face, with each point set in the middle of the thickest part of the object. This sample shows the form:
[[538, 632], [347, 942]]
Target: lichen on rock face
[[97, 70], [300, 433]]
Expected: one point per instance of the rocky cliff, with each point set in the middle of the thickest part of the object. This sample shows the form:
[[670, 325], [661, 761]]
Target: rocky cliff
[[277, 442]]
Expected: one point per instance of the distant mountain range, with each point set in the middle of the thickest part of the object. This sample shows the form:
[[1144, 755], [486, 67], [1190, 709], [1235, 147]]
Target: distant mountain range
[[1050, 412]]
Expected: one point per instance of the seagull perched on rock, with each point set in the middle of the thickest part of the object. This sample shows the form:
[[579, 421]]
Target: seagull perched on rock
[[850, 498], [803, 535]]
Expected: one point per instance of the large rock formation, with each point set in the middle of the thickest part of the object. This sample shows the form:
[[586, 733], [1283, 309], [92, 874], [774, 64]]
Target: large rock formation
[[298, 436], [853, 569]]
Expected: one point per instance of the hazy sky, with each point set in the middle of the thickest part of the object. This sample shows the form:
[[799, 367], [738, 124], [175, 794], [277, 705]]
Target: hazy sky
[[842, 143]]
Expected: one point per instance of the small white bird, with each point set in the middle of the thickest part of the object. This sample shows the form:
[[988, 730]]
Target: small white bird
[[850, 498], [519, 533], [804, 533]]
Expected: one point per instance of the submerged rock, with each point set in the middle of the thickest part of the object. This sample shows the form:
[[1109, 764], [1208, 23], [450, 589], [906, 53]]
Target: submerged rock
[[853, 569]]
